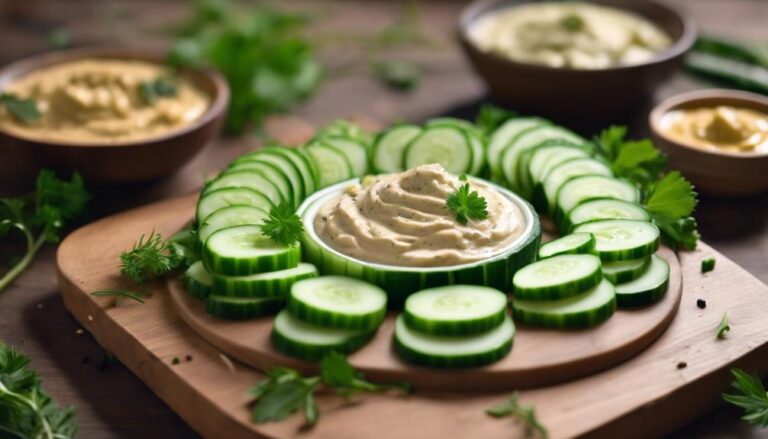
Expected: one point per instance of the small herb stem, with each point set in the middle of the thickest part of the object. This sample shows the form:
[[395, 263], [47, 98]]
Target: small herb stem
[[33, 245], [47, 432]]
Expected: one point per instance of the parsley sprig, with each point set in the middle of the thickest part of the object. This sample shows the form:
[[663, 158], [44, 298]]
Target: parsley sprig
[[285, 391], [25, 110], [526, 415], [751, 396], [26, 410], [283, 225], [466, 205], [152, 256], [151, 91]]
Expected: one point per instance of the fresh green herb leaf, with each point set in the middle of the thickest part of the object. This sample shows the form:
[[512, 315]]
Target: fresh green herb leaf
[[751, 396], [463, 177], [526, 415], [467, 205], [27, 410], [151, 91], [723, 327], [118, 293], [59, 38], [572, 22], [283, 225], [150, 257], [707, 265], [491, 117], [25, 110], [671, 202], [398, 74]]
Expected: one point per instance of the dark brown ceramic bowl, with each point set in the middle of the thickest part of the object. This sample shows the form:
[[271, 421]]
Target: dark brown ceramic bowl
[[712, 171], [576, 95], [115, 163]]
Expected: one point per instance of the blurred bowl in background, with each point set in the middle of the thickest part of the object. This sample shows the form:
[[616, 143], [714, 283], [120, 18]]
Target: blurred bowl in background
[[110, 163], [580, 96], [713, 171]]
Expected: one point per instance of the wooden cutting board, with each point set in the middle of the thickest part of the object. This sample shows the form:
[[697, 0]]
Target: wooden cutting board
[[677, 378]]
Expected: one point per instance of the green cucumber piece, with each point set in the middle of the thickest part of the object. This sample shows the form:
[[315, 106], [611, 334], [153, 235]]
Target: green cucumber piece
[[197, 281], [263, 285], [625, 271], [355, 152], [457, 351], [606, 209], [505, 134], [285, 166], [247, 179], [446, 145], [332, 165], [273, 173], [244, 250], [242, 308], [622, 240], [297, 338], [587, 309], [212, 201], [566, 171], [229, 217], [557, 277], [338, 302], [390, 146], [648, 288], [592, 187], [455, 310], [575, 243], [550, 156]]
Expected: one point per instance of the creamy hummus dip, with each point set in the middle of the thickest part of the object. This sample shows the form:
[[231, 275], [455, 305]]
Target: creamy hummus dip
[[402, 220], [101, 101], [726, 128], [568, 34]]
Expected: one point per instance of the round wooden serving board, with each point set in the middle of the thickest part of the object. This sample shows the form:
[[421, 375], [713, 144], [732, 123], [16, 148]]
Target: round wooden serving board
[[539, 357]]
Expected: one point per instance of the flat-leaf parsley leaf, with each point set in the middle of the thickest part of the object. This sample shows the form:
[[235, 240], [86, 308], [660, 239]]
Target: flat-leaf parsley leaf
[[467, 205], [283, 225]]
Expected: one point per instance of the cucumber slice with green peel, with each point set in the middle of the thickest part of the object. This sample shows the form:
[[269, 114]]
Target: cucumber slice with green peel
[[212, 201], [478, 154], [455, 310], [338, 302], [242, 308], [461, 124], [647, 288], [297, 338], [273, 173], [566, 171], [503, 136], [575, 243], [197, 281], [525, 178], [558, 277], [332, 165], [548, 152], [625, 271], [229, 217], [302, 162], [355, 152], [605, 209], [244, 250], [263, 285], [246, 179], [594, 306], [622, 240], [286, 167], [592, 187], [446, 145], [456, 351], [388, 151]]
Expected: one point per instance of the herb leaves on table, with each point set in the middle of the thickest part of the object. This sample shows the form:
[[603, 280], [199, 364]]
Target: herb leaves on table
[[467, 205], [283, 224], [526, 415], [751, 396], [723, 327]]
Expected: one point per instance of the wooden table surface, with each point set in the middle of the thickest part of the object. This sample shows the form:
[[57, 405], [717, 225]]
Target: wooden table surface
[[110, 401]]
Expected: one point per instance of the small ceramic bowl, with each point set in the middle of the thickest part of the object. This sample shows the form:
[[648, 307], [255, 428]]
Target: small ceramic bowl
[[713, 171], [114, 163], [580, 96]]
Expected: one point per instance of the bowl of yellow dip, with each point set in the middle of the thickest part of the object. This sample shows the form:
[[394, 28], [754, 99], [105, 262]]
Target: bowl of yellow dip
[[717, 138], [578, 61], [115, 115]]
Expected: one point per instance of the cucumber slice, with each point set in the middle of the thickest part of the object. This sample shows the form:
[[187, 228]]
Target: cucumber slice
[[453, 351], [356, 153], [625, 271], [228, 217], [263, 285], [455, 310], [242, 308], [566, 171], [446, 145], [524, 164], [230, 196], [273, 173], [285, 166], [575, 243], [591, 187], [587, 309], [296, 338], [548, 152], [246, 179], [557, 277], [461, 124], [606, 209], [338, 302], [648, 288], [332, 165], [243, 250], [389, 147], [302, 162], [503, 136], [473, 134], [622, 240], [197, 281]]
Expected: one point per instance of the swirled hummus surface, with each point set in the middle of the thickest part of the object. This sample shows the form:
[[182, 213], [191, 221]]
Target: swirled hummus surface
[[402, 219]]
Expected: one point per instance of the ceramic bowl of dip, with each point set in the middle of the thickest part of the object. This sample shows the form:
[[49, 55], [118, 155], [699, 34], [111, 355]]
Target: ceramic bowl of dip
[[586, 96], [109, 162], [713, 170]]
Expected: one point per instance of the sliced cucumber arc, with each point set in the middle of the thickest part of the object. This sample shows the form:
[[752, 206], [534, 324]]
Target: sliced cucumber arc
[[606, 209], [589, 187], [355, 152], [622, 240], [247, 179], [388, 151], [569, 170], [453, 351], [624, 271], [455, 310], [649, 287], [264, 285], [332, 165], [212, 201], [244, 250], [446, 145], [285, 166], [242, 308], [556, 159], [503, 136], [297, 338], [575, 243], [197, 281], [338, 302], [525, 179], [557, 277], [229, 217], [587, 309], [271, 172], [542, 156]]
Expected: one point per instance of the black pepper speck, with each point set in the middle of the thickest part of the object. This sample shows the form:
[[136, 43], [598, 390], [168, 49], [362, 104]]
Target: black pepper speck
[[701, 303]]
